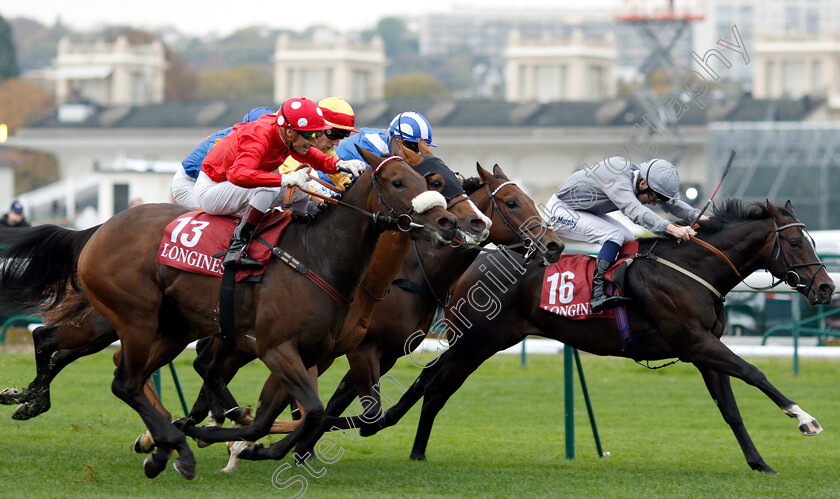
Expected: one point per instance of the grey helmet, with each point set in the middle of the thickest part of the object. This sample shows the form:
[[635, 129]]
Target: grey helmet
[[662, 177]]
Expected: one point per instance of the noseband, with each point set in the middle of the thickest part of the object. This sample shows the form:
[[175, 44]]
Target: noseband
[[403, 220]]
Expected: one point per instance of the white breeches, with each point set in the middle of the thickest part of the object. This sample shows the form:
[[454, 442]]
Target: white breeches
[[583, 226], [183, 189], [224, 198]]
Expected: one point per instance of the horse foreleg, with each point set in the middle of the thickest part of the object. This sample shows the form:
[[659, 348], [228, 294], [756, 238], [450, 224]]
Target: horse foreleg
[[721, 391], [217, 363], [287, 368], [713, 354]]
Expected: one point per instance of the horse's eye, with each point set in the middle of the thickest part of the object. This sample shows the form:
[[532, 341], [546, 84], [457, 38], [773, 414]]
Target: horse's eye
[[510, 203], [397, 183], [794, 243], [438, 183]]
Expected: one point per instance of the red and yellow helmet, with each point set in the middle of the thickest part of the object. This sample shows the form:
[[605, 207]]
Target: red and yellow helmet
[[338, 113]]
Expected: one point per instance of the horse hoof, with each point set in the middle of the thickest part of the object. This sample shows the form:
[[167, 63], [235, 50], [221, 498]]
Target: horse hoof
[[184, 424], [234, 414], [369, 430], [185, 468], [810, 428], [28, 411], [202, 444], [152, 466], [10, 396], [143, 445], [763, 467], [416, 456], [250, 452]]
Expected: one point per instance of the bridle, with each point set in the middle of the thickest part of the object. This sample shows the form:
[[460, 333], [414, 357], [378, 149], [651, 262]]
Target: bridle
[[401, 221], [525, 241], [791, 277]]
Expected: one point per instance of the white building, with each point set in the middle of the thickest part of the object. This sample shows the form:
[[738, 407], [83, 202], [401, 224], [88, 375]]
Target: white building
[[554, 69], [329, 65], [110, 74], [797, 65]]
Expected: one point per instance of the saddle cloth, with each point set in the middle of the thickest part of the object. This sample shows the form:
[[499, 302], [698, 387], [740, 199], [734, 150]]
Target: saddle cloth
[[567, 284], [197, 242]]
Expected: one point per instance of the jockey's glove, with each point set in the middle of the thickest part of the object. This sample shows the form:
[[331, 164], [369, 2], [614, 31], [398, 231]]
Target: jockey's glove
[[354, 167], [297, 178]]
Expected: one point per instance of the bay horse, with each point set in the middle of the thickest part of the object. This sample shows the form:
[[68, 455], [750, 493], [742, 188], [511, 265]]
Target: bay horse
[[405, 312], [64, 338], [671, 314], [157, 310]]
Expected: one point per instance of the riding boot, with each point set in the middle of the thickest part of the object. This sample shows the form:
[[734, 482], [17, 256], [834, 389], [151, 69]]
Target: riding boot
[[600, 300], [237, 253]]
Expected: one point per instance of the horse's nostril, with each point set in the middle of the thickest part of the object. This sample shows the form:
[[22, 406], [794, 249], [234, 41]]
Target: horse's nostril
[[477, 224], [827, 289], [555, 247], [445, 223]]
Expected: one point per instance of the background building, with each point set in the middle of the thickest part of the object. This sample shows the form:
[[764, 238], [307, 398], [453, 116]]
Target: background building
[[560, 69], [328, 64], [109, 74]]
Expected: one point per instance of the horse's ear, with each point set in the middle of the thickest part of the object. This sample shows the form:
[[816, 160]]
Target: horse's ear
[[394, 144], [789, 207], [369, 157], [497, 171], [483, 174], [771, 208], [424, 148], [411, 157]]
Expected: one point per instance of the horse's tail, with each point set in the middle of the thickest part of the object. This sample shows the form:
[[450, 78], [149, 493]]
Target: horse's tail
[[39, 265]]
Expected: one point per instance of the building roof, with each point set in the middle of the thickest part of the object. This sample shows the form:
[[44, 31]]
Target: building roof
[[618, 112]]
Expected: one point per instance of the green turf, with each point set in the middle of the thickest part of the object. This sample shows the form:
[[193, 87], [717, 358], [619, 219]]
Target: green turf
[[501, 435]]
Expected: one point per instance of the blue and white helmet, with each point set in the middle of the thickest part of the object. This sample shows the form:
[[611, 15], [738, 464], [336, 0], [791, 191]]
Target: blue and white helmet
[[411, 126], [255, 113]]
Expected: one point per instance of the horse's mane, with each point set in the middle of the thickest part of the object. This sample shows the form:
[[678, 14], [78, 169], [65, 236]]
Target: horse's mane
[[734, 210], [471, 185]]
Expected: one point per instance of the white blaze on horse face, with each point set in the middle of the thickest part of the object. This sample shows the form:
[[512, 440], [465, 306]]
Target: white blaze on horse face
[[472, 240], [807, 424], [487, 222], [427, 200]]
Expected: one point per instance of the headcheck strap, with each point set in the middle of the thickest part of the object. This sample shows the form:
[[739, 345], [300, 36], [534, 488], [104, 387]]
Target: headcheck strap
[[499, 187], [389, 158]]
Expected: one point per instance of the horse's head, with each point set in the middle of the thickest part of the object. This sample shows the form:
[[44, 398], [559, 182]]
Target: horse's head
[[401, 201], [793, 257], [515, 217], [473, 225]]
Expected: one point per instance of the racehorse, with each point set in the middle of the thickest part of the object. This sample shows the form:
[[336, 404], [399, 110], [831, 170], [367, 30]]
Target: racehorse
[[405, 312], [672, 314], [157, 310], [59, 343]]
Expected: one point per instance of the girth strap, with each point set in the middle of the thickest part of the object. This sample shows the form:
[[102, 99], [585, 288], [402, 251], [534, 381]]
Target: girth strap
[[687, 273]]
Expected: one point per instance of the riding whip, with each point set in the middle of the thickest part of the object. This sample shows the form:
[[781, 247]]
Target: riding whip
[[725, 171]]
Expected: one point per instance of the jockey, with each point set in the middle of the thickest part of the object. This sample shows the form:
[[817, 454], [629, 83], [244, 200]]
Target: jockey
[[410, 127], [184, 180], [339, 115], [578, 210], [237, 173]]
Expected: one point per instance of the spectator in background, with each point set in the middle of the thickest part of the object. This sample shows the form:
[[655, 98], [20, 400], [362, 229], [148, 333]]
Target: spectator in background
[[14, 217]]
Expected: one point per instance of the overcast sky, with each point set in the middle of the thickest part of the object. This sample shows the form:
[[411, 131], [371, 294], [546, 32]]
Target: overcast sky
[[201, 17]]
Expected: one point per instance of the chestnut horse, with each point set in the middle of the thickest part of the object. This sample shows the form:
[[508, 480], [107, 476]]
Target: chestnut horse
[[157, 310], [402, 316], [672, 314]]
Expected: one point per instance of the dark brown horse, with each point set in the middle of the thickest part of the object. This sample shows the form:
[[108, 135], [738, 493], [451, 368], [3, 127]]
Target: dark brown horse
[[671, 314], [157, 310], [406, 311]]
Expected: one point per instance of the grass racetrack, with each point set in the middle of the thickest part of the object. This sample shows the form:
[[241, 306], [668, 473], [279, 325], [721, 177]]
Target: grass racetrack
[[501, 435]]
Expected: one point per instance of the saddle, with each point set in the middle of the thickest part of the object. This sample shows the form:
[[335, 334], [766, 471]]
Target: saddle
[[196, 242]]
